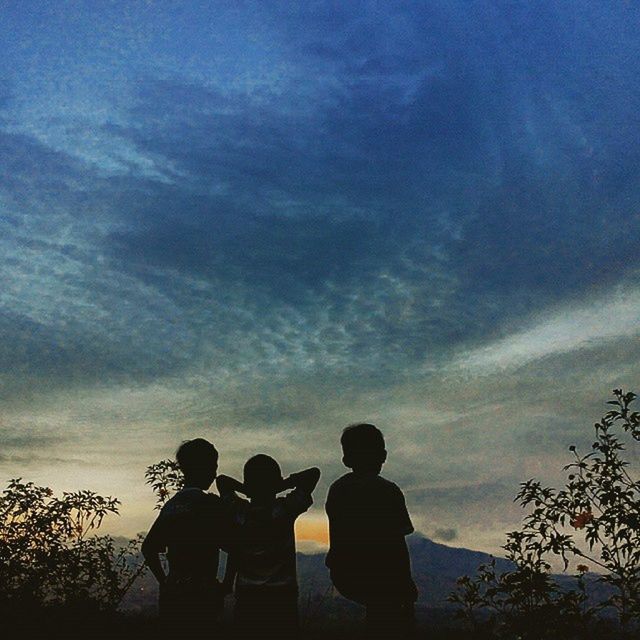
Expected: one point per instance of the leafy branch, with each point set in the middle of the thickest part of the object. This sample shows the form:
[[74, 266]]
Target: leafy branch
[[595, 517]]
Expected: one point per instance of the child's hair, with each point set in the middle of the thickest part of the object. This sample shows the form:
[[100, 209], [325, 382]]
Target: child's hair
[[363, 448], [362, 437], [196, 456], [262, 474]]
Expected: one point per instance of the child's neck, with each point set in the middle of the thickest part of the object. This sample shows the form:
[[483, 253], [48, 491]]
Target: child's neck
[[191, 483], [261, 501], [367, 472]]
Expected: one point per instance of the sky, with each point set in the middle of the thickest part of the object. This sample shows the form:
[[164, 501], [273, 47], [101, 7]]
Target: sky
[[258, 222]]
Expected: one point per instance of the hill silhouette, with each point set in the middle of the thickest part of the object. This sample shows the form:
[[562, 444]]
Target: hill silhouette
[[436, 567]]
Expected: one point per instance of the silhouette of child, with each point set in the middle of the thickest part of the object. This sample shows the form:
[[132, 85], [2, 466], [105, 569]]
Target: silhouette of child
[[191, 527], [368, 557], [263, 559]]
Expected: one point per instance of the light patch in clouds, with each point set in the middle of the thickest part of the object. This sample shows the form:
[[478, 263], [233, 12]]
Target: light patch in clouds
[[258, 224], [447, 535], [563, 331], [90, 142]]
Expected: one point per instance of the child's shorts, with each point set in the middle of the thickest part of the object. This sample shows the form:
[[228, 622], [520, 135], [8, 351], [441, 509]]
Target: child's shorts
[[266, 612], [188, 606]]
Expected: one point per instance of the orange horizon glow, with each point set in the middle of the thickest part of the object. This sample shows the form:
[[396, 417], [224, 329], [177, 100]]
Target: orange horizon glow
[[314, 529]]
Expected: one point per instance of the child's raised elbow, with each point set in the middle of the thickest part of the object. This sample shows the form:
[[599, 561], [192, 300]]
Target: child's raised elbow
[[313, 476]]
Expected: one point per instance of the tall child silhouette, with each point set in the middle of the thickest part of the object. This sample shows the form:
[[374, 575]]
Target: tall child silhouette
[[263, 559], [191, 528], [368, 520]]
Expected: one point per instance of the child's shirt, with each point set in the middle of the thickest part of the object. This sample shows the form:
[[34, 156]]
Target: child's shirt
[[192, 527], [368, 556], [265, 548]]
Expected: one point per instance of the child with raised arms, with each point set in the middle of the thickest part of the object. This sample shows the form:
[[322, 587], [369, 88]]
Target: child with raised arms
[[262, 562]]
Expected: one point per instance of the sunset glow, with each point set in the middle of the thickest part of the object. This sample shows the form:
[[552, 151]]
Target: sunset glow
[[259, 222]]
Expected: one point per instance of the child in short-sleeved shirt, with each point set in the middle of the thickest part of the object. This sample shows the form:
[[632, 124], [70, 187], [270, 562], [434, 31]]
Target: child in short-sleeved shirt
[[263, 558], [191, 528], [368, 520]]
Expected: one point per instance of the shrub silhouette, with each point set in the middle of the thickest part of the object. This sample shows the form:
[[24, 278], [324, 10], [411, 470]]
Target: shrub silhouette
[[51, 555], [594, 519]]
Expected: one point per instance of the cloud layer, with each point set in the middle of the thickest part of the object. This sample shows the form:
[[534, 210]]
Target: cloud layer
[[269, 221]]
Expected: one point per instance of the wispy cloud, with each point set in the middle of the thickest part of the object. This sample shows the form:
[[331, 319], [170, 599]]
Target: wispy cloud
[[262, 224], [572, 328]]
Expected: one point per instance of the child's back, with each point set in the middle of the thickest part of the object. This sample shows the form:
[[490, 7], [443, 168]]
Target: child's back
[[264, 555], [368, 523], [191, 528], [368, 520]]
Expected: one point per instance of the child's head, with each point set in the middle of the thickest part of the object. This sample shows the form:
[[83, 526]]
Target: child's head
[[198, 460], [262, 476], [363, 448]]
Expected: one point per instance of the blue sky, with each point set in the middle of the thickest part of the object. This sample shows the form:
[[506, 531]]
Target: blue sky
[[259, 222]]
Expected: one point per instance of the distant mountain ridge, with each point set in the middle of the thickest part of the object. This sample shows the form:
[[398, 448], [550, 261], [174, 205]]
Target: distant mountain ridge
[[436, 567]]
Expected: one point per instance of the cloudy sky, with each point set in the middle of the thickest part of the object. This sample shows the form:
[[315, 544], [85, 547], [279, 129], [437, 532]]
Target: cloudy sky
[[259, 222]]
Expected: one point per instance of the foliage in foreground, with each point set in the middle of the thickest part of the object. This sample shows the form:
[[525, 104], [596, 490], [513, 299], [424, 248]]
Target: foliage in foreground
[[51, 555], [595, 520], [165, 478]]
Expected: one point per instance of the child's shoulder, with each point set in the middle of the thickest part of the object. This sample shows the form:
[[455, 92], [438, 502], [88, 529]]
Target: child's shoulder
[[191, 498], [351, 481], [344, 480], [385, 490], [388, 485]]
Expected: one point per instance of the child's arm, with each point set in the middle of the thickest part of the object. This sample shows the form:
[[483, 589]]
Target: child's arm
[[303, 483], [151, 548], [228, 486], [305, 480], [230, 571]]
